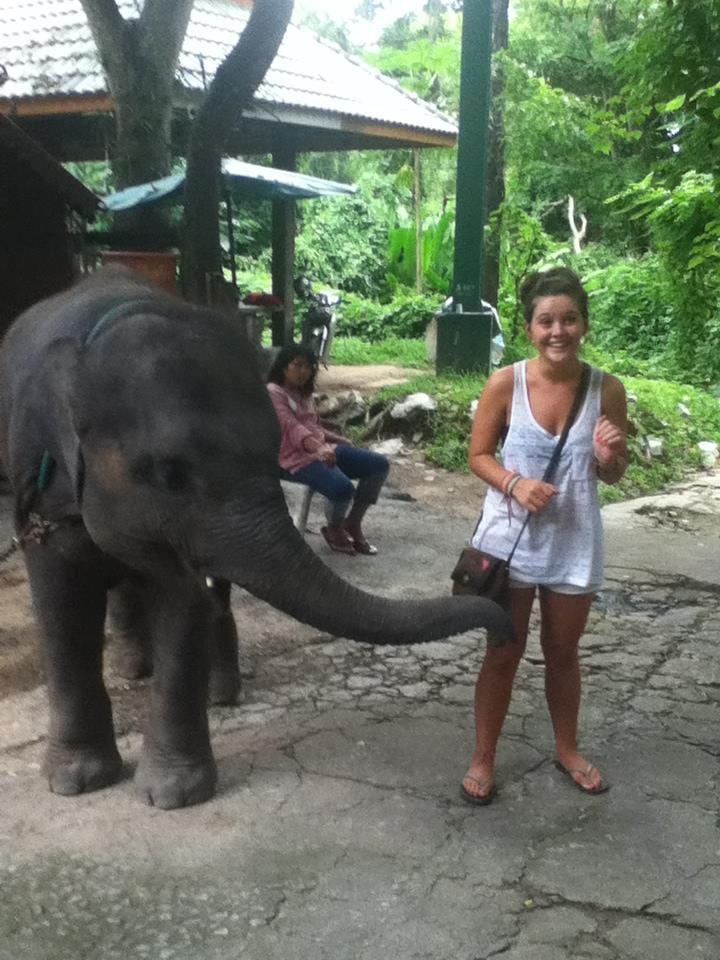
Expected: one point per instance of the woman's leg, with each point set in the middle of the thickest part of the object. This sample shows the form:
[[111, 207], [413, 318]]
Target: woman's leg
[[492, 697], [371, 470], [563, 619], [339, 491]]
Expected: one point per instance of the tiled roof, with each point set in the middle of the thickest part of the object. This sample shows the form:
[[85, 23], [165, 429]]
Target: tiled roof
[[47, 49]]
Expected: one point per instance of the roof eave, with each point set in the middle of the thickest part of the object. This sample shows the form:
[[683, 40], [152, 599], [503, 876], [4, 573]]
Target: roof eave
[[366, 131]]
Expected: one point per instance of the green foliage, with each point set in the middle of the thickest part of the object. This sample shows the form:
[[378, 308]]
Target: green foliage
[[429, 66], [671, 62], [437, 253], [683, 223], [396, 350], [631, 306], [562, 134], [406, 315], [342, 244]]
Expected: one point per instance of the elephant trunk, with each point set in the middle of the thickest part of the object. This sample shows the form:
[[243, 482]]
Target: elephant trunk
[[255, 545]]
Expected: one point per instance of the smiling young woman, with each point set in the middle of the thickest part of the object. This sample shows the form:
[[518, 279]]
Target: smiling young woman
[[560, 556]]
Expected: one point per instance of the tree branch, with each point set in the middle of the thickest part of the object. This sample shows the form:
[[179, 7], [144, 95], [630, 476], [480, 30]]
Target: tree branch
[[106, 26], [241, 73], [230, 92], [578, 233], [163, 25]]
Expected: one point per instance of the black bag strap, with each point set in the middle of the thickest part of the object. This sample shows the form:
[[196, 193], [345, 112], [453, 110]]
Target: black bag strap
[[555, 458]]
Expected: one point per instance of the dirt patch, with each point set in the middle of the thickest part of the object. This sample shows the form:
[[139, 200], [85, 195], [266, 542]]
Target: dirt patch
[[367, 379], [19, 656]]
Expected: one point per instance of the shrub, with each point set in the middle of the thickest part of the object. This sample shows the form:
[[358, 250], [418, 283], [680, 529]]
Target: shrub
[[407, 315]]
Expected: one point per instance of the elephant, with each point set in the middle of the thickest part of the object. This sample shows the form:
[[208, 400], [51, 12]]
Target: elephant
[[141, 447]]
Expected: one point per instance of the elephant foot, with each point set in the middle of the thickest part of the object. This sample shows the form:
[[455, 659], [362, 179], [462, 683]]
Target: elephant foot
[[74, 770], [172, 784], [225, 686], [132, 662]]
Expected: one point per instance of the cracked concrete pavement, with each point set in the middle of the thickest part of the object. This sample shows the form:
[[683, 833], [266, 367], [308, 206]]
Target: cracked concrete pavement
[[338, 831]]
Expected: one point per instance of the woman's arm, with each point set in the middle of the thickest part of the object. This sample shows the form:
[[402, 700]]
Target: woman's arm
[[610, 440], [490, 420]]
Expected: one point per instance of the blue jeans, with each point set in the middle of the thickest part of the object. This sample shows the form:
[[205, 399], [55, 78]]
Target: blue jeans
[[335, 483]]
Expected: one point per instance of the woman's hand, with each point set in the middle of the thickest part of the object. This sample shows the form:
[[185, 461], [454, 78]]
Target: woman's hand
[[609, 443], [533, 495], [326, 454]]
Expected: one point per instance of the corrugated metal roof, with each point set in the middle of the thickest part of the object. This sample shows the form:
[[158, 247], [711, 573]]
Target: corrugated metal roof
[[47, 49], [250, 178]]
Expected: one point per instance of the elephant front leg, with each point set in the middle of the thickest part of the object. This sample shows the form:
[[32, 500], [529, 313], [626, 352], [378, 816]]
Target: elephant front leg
[[69, 601], [224, 667], [177, 768]]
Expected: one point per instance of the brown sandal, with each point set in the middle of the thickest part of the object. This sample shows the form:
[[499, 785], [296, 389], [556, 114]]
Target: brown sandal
[[338, 541], [362, 546]]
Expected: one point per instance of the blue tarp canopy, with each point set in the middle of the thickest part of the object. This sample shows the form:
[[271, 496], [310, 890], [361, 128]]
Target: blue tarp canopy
[[244, 179]]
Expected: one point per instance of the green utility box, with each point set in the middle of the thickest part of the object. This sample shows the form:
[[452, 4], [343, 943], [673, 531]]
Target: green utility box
[[463, 342]]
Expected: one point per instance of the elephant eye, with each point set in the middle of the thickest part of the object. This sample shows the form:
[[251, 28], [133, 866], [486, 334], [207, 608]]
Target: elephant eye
[[171, 474], [167, 473]]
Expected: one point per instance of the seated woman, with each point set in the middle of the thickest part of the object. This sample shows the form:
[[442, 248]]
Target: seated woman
[[321, 459]]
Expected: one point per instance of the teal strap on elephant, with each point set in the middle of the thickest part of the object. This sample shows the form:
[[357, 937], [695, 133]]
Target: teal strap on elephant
[[124, 309], [45, 472]]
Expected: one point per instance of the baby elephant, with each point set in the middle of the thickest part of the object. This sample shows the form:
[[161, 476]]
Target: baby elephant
[[142, 449]]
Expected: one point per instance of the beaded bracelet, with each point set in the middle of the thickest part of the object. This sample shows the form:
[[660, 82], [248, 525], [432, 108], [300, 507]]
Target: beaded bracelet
[[507, 480], [511, 486]]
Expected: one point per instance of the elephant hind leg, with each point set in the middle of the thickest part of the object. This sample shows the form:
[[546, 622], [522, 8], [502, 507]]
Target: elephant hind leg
[[69, 602], [225, 683], [131, 644]]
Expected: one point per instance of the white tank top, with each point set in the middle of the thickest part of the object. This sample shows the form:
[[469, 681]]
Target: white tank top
[[563, 544]]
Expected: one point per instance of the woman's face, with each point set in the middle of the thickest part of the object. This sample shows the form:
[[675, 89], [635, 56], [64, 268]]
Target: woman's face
[[557, 327], [298, 372]]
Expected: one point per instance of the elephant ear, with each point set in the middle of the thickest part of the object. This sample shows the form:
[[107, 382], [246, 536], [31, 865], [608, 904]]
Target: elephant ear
[[45, 462]]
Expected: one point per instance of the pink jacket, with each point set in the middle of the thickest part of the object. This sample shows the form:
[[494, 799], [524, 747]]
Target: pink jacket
[[298, 419]]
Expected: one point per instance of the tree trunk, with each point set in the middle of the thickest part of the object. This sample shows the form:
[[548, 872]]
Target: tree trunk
[[231, 90], [495, 172], [139, 58]]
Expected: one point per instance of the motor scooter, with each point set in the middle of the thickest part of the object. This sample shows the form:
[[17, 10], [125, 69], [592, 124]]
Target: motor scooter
[[320, 321]]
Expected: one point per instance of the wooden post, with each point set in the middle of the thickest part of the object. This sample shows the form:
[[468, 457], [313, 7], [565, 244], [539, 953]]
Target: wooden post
[[283, 255]]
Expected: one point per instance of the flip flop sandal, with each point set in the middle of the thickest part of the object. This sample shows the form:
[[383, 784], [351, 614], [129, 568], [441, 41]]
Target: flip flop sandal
[[593, 791], [367, 549], [471, 797], [339, 546]]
